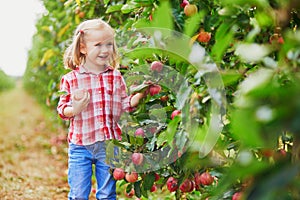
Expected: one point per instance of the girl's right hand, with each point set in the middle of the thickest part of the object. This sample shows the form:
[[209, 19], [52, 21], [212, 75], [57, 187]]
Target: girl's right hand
[[81, 99]]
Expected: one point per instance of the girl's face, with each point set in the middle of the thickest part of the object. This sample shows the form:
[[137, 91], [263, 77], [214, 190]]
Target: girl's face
[[98, 48]]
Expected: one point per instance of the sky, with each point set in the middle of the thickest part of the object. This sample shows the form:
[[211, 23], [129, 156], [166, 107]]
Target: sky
[[17, 26]]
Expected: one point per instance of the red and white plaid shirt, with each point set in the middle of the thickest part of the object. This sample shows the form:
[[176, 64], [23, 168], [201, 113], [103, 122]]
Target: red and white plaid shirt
[[108, 100]]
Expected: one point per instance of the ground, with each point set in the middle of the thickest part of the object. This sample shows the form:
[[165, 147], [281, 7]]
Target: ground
[[33, 161]]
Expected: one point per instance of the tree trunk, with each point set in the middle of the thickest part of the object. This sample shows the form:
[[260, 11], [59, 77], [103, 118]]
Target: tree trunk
[[296, 160], [296, 149]]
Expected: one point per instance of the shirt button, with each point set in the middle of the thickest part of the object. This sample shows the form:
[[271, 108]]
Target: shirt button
[[100, 92]]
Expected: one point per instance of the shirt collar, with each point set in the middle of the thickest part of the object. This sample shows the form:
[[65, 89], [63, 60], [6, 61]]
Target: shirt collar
[[83, 70]]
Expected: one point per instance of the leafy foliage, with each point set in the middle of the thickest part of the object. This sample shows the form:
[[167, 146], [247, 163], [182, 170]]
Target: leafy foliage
[[246, 77], [6, 82]]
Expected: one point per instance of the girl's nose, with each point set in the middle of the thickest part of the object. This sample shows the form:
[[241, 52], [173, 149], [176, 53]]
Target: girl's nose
[[104, 48]]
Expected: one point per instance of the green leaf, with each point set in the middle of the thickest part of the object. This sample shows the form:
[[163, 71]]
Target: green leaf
[[254, 81], [63, 30], [158, 113], [148, 181], [114, 8], [181, 139], [139, 88], [144, 1], [232, 174], [223, 37], [110, 152], [259, 3], [129, 7], [162, 17], [128, 188], [245, 128], [143, 53], [230, 77], [273, 178], [106, 2], [162, 138], [133, 79], [192, 24], [137, 189], [171, 130], [121, 144], [183, 95], [47, 55], [162, 12]]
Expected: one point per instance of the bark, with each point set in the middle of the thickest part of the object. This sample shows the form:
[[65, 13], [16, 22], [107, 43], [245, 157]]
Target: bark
[[296, 149]]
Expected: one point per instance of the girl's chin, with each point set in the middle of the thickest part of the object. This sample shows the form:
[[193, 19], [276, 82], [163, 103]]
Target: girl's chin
[[102, 62]]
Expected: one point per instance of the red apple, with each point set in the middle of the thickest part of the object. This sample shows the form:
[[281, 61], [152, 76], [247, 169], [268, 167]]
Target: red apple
[[164, 98], [172, 184], [193, 186], [156, 66], [175, 113], [197, 187], [266, 152], [186, 186], [150, 17], [118, 174], [197, 178], [206, 178], [204, 37], [154, 89], [152, 130], [190, 10], [237, 196], [157, 177], [81, 14], [131, 177], [137, 158], [153, 188], [77, 10], [184, 3], [280, 40], [280, 154], [139, 132], [79, 94], [276, 39]]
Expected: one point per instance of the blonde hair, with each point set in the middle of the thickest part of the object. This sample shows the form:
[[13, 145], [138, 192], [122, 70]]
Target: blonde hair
[[73, 57]]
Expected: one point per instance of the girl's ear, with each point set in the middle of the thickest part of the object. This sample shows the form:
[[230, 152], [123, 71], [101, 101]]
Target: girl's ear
[[82, 48]]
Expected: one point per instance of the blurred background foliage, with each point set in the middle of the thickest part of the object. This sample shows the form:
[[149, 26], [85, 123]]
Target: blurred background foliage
[[6, 82], [256, 46]]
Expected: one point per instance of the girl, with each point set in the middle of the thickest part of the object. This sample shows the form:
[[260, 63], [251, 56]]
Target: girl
[[95, 97]]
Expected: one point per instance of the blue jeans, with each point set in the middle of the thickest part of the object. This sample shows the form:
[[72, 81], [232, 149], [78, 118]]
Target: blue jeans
[[81, 159]]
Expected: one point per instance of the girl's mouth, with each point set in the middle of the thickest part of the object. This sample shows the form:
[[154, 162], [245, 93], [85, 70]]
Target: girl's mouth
[[103, 56]]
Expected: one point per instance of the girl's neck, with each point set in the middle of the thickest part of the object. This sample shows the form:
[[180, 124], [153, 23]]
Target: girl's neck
[[93, 69]]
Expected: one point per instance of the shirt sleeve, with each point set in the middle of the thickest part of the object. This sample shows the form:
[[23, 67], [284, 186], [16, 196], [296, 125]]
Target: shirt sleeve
[[65, 98]]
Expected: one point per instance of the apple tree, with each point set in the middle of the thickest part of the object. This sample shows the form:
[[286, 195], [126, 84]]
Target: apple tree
[[221, 116]]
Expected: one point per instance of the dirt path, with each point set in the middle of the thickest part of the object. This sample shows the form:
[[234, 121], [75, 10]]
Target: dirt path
[[33, 162]]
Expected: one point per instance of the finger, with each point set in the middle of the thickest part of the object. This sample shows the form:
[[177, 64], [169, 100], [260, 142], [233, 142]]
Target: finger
[[87, 99]]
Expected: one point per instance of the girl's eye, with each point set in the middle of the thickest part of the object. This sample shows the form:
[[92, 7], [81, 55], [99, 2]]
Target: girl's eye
[[108, 44]]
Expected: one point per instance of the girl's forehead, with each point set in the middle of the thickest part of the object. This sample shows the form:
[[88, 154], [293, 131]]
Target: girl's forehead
[[98, 35]]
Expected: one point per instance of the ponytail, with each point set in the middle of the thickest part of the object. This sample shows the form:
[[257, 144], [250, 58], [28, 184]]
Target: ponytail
[[72, 56]]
